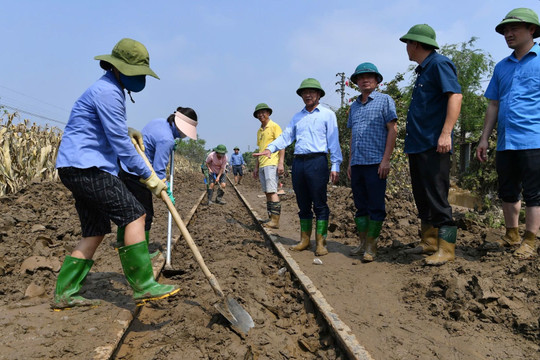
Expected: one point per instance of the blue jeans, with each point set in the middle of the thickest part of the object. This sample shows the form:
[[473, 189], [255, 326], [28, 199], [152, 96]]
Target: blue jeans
[[368, 192], [310, 176]]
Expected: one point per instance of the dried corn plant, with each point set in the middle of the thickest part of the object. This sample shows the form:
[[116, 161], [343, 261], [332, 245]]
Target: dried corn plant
[[27, 153]]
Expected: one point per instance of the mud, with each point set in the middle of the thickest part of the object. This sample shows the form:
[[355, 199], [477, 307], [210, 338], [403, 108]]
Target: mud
[[484, 305]]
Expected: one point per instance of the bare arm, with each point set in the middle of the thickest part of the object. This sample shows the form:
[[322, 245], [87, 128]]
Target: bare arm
[[384, 166], [444, 144], [489, 124], [281, 167]]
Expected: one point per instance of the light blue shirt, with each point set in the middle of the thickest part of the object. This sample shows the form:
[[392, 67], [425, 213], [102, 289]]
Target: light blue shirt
[[516, 85], [96, 134], [368, 127], [314, 132], [237, 159]]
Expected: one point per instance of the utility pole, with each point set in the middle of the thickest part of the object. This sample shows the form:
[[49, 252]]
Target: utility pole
[[341, 89]]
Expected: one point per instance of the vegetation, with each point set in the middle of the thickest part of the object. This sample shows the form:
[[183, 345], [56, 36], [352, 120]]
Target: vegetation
[[27, 153]]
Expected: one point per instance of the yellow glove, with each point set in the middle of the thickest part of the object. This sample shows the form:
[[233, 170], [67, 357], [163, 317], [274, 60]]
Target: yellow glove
[[136, 137], [154, 184]]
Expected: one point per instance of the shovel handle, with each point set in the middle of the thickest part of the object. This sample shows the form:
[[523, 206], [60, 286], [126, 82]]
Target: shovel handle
[[193, 247]]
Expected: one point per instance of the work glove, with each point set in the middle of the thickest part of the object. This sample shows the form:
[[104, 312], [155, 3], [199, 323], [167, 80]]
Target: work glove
[[154, 184], [136, 137], [169, 192]]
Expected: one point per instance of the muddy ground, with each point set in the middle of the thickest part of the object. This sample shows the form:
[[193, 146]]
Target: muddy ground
[[485, 305]]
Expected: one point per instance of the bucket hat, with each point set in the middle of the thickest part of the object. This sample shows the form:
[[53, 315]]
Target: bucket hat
[[366, 68], [261, 106], [236, 148], [310, 83], [423, 33], [130, 57], [221, 149], [186, 125], [520, 15]]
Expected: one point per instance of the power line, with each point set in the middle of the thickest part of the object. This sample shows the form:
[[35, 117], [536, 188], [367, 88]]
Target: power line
[[33, 98], [30, 113]]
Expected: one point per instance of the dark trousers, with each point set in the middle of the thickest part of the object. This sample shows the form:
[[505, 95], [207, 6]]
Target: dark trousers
[[430, 178], [310, 176], [141, 193], [368, 191]]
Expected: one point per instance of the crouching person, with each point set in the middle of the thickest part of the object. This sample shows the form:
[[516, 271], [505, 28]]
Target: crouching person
[[95, 139]]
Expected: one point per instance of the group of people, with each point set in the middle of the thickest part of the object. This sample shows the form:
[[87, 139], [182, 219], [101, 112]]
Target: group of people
[[98, 162]]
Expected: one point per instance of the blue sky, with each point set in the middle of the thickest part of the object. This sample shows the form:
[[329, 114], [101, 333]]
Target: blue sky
[[222, 57]]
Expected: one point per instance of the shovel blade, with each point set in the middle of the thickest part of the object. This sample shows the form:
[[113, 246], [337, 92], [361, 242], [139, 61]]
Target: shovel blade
[[235, 314]]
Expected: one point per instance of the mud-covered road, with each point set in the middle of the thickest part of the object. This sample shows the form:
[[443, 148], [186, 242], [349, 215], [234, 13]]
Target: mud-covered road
[[485, 305]]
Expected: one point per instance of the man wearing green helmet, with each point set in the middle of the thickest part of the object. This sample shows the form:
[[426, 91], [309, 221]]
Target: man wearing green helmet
[[96, 138], [373, 123], [315, 131], [216, 162], [267, 170], [433, 112], [514, 105]]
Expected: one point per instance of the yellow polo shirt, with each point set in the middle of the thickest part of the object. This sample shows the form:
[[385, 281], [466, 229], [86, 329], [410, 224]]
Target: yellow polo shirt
[[264, 137]]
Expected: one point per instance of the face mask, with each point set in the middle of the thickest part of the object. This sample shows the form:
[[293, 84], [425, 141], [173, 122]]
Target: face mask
[[133, 83]]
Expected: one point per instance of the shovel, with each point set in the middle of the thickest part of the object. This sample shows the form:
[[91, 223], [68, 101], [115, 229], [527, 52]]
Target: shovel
[[168, 266], [227, 306]]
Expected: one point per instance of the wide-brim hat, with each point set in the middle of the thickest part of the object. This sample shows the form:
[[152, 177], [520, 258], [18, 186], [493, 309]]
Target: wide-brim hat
[[130, 57], [520, 15], [423, 33], [310, 83], [366, 68], [236, 148], [186, 125], [220, 149], [261, 106]]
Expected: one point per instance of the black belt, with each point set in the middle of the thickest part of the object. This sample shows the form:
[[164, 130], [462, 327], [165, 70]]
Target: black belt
[[308, 156]]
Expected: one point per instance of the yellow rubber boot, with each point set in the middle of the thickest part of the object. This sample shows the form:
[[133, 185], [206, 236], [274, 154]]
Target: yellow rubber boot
[[447, 247], [305, 235], [528, 248], [275, 212], [429, 242], [511, 238], [374, 230], [320, 236], [361, 226]]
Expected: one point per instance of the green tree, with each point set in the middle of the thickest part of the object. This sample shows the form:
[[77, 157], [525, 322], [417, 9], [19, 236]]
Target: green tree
[[193, 150]]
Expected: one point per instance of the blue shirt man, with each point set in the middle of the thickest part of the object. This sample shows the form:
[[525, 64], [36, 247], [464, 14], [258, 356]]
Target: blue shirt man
[[514, 105], [237, 162], [433, 112]]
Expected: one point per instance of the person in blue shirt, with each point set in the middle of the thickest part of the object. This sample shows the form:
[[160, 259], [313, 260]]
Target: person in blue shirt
[[237, 163], [514, 105], [316, 133], [159, 138], [433, 112], [373, 123], [95, 139]]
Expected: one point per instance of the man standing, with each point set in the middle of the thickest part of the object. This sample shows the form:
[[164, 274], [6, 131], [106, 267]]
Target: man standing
[[433, 112], [373, 124], [238, 163], [514, 105], [269, 169], [315, 131], [216, 163]]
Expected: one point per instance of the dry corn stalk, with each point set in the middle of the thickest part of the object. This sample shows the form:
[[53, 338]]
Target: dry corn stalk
[[27, 153]]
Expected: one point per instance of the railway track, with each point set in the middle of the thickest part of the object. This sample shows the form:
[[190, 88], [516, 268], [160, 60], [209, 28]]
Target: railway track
[[152, 331]]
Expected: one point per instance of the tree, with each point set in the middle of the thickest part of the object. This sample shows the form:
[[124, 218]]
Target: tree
[[193, 150]]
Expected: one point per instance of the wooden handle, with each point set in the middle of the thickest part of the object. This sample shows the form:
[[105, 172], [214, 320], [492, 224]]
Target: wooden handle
[[194, 249]]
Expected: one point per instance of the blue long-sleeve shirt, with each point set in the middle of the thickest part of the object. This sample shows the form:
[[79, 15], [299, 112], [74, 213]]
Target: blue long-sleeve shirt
[[237, 159], [314, 132], [96, 134]]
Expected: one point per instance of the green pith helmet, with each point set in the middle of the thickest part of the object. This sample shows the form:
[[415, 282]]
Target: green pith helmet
[[520, 15], [310, 83], [423, 33], [130, 57], [261, 106], [366, 68], [220, 149], [236, 148]]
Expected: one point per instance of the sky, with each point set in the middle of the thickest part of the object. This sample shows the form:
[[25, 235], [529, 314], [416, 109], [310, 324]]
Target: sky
[[221, 58]]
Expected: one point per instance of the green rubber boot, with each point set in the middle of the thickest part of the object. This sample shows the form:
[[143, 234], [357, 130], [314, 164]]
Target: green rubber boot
[[147, 238], [140, 276], [306, 226], [70, 280], [362, 227], [275, 213], [320, 236], [447, 246], [374, 230], [120, 233]]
